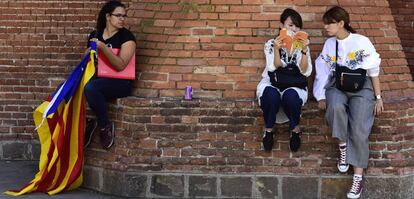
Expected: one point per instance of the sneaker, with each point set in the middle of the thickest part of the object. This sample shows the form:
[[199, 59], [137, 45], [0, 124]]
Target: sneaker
[[294, 143], [107, 135], [268, 140], [357, 186], [90, 128], [342, 165]]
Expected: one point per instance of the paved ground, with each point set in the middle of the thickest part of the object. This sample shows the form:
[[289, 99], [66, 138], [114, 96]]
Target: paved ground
[[15, 174]]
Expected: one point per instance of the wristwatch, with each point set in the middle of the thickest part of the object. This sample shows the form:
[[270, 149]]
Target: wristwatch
[[304, 53], [378, 97]]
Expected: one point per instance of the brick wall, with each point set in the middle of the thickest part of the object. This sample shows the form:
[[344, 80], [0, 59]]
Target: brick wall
[[40, 43], [215, 46], [402, 11], [223, 136]]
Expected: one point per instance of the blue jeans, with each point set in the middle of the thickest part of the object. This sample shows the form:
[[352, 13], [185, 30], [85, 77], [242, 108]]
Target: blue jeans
[[290, 102], [98, 90]]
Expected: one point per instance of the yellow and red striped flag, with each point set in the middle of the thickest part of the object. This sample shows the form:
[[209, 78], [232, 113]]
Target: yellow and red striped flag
[[60, 124]]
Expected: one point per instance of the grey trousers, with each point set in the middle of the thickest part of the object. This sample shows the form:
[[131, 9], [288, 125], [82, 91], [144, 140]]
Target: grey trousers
[[350, 117]]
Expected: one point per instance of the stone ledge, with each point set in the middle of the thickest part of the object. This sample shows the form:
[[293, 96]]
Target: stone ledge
[[19, 150], [232, 185], [222, 135]]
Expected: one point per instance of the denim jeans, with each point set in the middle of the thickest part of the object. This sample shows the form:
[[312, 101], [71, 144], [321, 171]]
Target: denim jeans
[[98, 90], [271, 102]]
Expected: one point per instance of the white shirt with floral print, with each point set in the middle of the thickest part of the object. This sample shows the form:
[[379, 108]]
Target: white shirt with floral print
[[355, 51]]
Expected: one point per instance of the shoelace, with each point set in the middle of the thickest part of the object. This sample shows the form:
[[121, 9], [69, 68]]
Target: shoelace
[[356, 184], [342, 157]]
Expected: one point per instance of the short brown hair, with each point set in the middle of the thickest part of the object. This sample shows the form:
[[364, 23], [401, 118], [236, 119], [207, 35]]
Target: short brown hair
[[337, 14], [294, 16]]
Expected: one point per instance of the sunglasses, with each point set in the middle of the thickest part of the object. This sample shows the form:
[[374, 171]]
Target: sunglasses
[[120, 15]]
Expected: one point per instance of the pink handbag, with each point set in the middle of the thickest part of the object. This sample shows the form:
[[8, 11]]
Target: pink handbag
[[106, 70]]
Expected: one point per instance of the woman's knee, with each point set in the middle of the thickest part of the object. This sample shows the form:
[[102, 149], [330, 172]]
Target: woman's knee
[[89, 88], [292, 97], [335, 107], [271, 94]]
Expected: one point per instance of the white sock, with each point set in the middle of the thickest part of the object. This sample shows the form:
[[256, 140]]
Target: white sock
[[358, 176], [342, 144]]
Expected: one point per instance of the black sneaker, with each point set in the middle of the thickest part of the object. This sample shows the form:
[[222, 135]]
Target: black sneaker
[[294, 143], [107, 135], [91, 125], [356, 188], [268, 141]]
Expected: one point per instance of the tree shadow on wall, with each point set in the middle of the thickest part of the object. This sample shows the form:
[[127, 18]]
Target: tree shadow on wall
[[402, 12]]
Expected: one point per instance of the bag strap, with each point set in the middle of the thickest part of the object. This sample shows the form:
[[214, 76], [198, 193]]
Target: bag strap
[[336, 54]]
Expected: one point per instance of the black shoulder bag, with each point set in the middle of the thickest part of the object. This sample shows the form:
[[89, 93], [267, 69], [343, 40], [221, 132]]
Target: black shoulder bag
[[286, 77], [347, 79]]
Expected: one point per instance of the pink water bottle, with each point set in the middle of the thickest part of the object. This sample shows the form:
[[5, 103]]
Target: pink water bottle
[[188, 93]]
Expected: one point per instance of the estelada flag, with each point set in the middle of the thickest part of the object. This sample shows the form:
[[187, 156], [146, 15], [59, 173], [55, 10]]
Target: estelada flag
[[60, 125]]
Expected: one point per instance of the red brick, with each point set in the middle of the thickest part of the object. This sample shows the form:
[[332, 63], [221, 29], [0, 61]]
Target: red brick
[[253, 24], [182, 39], [189, 23], [239, 31], [208, 16], [227, 62], [192, 47], [175, 54], [226, 2], [191, 62], [231, 16], [171, 8], [184, 15], [244, 8], [177, 31], [205, 54], [265, 17], [239, 94], [233, 54], [248, 47], [219, 86], [163, 15], [202, 32], [246, 86], [222, 8], [164, 23], [222, 23]]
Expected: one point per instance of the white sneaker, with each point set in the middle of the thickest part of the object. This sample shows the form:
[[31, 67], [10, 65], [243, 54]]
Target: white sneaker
[[342, 165]]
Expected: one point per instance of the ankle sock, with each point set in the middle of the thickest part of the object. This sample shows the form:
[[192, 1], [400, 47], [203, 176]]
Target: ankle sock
[[359, 176]]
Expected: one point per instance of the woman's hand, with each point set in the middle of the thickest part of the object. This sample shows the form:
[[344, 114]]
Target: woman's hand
[[379, 107], [99, 44], [278, 43], [305, 43], [322, 104]]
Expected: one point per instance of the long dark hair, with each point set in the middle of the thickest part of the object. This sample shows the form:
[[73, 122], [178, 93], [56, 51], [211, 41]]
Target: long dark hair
[[294, 16], [337, 14], [108, 8]]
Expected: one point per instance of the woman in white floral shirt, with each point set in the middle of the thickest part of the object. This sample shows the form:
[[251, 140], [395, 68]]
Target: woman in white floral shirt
[[350, 114]]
